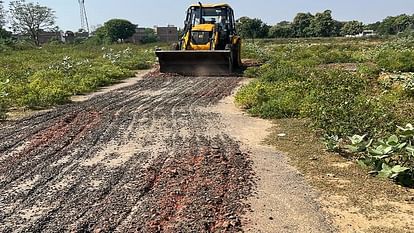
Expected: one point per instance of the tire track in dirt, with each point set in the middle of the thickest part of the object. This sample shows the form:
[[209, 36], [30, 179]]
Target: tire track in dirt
[[140, 159]]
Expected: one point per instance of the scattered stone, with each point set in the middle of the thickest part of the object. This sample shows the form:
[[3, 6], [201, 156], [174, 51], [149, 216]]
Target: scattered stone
[[330, 175]]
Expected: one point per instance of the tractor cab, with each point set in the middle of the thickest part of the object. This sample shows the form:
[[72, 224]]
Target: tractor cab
[[209, 44], [208, 27]]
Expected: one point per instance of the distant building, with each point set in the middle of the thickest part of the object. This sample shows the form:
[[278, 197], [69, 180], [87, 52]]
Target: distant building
[[45, 37], [70, 37], [167, 34], [164, 34], [137, 37], [365, 33], [368, 33]]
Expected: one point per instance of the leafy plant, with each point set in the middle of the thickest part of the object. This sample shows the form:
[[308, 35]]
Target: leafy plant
[[298, 79], [390, 158], [42, 77], [3, 94], [397, 55], [332, 143], [358, 144]]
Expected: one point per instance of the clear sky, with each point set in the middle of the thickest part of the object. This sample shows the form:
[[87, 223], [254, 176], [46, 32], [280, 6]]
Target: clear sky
[[162, 12]]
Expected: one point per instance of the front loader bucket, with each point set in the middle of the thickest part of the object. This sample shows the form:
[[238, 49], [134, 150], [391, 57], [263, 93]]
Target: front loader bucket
[[191, 62]]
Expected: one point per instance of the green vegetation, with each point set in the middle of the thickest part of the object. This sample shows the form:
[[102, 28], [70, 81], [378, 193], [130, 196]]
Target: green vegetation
[[322, 24], [3, 94], [390, 158], [252, 28], [396, 56], [38, 78], [2, 15], [344, 87], [393, 25], [352, 28], [116, 29]]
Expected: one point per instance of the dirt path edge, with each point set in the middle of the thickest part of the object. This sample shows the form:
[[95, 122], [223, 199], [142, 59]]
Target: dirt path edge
[[284, 202]]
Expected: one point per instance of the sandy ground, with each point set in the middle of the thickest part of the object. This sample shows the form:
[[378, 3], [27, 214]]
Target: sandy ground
[[357, 201], [283, 201], [153, 154]]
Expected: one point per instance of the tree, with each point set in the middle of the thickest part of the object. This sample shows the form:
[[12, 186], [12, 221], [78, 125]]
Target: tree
[[352, 28], [119, 29], [373, 26], [149, 36], [323, 25], [4, 34], [338, 25], [31, 19], [393, 25], [252, 28], [301, 24], [283, 29], [2, 15]]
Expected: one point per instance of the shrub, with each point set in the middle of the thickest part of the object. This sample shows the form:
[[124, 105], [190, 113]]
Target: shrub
[[338, 104], [396, 55], [392, 157], [294, 83], [47, 76], [277, 94], [392, 60], [3, 94], [46, 88], [251, 72], [248, 96]]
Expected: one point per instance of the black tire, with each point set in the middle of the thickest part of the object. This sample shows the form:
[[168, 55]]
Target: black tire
[[175, 46], [236, 56]]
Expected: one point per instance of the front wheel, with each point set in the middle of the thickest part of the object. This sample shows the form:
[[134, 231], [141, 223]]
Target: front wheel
[[237, 55], [175, 46]]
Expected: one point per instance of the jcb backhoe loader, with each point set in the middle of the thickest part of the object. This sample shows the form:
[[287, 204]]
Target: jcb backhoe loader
[[209, 45]]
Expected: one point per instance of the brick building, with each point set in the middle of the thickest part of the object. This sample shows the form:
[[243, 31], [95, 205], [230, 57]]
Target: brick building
[[164, 34], [167, 34], [45, 37], [137, 37]]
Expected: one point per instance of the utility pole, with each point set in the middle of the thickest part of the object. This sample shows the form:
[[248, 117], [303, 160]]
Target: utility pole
[[83, 16]]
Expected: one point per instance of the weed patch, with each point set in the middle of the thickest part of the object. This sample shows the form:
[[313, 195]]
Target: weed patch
[[296, 80]]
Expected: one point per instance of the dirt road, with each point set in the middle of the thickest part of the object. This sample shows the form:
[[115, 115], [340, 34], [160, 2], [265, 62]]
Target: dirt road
[[150, 157]]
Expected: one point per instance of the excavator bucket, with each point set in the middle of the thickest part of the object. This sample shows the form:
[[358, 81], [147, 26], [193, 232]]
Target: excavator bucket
[[192, 62]]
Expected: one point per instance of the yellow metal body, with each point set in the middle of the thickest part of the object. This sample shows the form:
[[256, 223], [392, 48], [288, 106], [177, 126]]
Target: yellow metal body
[[212, 5], [203, 28], [206, 28], [207, 47]]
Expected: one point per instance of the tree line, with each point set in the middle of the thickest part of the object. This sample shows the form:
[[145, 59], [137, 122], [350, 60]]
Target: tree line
[[30, 19], [322, 25], [27, 18]]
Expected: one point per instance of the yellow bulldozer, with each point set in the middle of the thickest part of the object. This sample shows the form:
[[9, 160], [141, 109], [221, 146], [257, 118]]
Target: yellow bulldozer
[[209, 44]]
